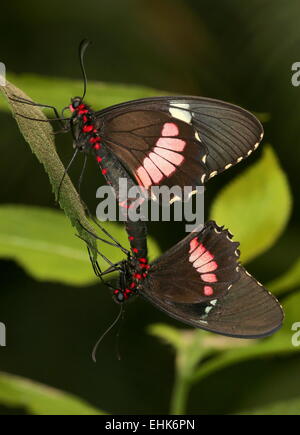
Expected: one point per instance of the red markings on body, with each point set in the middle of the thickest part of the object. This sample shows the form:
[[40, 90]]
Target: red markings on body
[[87, 128]]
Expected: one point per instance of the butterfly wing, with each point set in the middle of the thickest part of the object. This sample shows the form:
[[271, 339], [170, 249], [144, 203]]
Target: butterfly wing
[[178, 140], [200, 268], [248, 310]]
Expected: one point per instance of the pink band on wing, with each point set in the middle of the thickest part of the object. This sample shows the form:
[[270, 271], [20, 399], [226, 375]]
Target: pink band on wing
[[209, 277], [171, 144], [152, 170], [162, 164], [170, 129], [169, 155], [194, 244], [143, 176], [208, 267], [197, 253]]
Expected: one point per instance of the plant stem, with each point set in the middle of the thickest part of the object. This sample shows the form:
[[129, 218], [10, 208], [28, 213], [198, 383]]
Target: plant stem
[[179, 395]]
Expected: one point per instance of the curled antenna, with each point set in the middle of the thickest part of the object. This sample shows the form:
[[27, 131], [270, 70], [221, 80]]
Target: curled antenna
[[106, 332], [82, 47]]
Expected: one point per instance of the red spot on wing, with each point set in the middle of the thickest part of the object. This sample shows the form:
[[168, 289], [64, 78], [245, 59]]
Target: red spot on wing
[[208, 290]]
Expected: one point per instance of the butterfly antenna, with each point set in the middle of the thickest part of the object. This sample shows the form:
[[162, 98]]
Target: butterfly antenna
[[82, 47], [65, 173], [118, 335], [106, 332]]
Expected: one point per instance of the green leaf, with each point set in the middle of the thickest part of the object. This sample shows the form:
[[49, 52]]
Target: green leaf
[[42, 145], [41, 399], [289, 406], [42, 241], [288, 281], [58, 92], [255, 206]]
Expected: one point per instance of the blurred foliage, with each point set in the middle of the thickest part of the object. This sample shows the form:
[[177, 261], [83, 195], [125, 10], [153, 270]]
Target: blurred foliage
[[289, 281], [59, 91], [186, 47], [44, 243], [40, 399], [255, 223]]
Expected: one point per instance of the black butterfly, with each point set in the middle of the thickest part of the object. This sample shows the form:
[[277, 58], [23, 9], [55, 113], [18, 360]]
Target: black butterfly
[[200, 282], [172, 140]]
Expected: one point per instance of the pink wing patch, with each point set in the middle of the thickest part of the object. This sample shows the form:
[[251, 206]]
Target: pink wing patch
[[170, 129], [203, 262], [162, 161], [208, 290]]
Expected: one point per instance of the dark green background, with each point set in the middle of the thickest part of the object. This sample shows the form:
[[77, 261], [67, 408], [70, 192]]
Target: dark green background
[[237, 51]]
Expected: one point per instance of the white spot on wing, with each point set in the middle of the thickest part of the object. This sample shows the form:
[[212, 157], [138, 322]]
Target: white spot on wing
[[203, 178], [208, 309], [249, 152], [239, 159], [212, 174], [204, 158], [180, 111], [228, 166], [256, 145], [197, 136], [213, 302]]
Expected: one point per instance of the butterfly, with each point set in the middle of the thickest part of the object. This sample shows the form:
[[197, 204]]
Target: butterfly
[[201, 283], [171, 140]]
